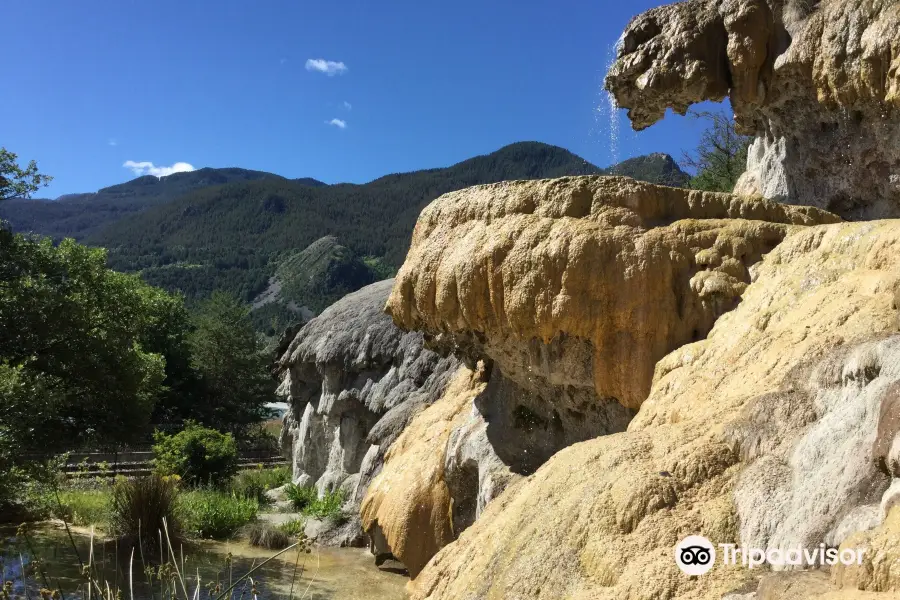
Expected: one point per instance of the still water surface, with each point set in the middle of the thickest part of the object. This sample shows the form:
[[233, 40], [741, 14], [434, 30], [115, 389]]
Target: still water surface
[[325, 574]]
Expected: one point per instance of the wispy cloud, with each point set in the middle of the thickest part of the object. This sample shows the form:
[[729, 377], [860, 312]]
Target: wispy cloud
[[112, 142], [329, 67], [339, 123], [148, 168], [282, 61], [347, 105]]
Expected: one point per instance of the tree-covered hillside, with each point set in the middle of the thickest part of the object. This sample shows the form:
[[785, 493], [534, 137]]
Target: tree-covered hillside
[[78, 215], [245, 232]]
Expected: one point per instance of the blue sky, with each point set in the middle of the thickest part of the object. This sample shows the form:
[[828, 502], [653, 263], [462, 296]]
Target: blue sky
[[228, 83]]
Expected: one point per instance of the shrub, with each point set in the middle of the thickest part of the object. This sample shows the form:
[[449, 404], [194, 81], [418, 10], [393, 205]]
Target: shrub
[[301, 497], [307, 501], [266, 535], [254, 483], [84, 507], [196, 454], [138, 508], [216, 515], [294, 528]]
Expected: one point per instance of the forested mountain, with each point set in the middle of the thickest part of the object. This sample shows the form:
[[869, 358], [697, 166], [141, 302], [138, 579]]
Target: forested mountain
[[78, 215], [657, 167], [245, 231]]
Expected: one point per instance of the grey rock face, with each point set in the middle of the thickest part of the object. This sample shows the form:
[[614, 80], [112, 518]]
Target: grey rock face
[[353, 381], [818, 83], [815, 473]]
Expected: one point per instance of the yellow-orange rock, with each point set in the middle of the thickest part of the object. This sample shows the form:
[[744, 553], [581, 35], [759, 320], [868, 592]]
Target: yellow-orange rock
[[409, 504], [808, 347], [582, 283]]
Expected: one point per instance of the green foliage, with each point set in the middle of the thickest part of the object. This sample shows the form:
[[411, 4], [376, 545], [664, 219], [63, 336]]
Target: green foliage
[[196, 454], [306, 500], [142, 508], [74, 332], [84, 507], [254, 483], [721, 156], [228, 354], [216, 515], [16, 182], [265, 535], [294, 527]]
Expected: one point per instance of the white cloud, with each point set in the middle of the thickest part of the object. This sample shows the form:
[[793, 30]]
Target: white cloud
[[347, 105], [329, 67], [148, 168], [339, 123], [112, 142]]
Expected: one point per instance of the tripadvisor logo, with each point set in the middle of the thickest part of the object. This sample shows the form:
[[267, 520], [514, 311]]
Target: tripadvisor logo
[[696, 555]]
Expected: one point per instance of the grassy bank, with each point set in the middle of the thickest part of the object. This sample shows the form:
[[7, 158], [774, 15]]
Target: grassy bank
[[199, 512]]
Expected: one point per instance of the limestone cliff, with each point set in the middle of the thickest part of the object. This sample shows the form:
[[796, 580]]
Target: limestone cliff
[[774, 429], [564, 294], [818, 83], [353, 381]]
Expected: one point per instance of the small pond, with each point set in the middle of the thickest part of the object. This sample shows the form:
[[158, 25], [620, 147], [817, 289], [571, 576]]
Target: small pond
[[324, 574]]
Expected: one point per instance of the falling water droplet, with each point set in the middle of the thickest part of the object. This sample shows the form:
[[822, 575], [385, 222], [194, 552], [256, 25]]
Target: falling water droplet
[[609, 109]]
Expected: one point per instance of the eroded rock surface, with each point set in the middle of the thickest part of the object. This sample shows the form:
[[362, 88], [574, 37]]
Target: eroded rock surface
[[562, 295], [787, 397], [574, 288], [818, 83], [353, 381]]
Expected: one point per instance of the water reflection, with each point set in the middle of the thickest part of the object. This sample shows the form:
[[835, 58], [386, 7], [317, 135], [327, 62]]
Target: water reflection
[[345, 573]]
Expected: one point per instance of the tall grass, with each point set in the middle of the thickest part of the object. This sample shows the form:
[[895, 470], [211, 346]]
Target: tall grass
[[266, 535], [83, 507], [254, 483], [143, 507], [216, 515]]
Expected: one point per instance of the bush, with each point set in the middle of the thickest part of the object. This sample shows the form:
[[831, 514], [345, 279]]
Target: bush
[[266, 535], [216, 515], [84, 507], [301, 497], [255, 483], [307, 501], [196, 454], [138, 508], [294, 528]]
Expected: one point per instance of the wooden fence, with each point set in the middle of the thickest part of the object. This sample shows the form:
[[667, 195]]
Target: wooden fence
[[133, 463]]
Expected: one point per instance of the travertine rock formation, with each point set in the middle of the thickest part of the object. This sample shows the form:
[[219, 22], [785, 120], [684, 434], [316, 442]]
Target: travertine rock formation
[[818, 83], [353, 382], [787, 396], [576, 287], [567, 292], [410, 507]]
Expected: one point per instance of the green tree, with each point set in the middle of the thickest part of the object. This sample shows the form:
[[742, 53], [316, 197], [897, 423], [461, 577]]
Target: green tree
[[74, 329], [16, 182], [229, 355], [721, 156]]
